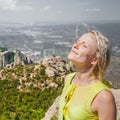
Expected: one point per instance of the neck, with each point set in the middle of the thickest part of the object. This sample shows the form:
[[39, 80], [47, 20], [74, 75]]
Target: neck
[[84, 75], [85, 71]]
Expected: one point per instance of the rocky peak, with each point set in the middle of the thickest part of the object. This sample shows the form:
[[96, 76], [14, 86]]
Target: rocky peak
[[55, 66], [10, 58]]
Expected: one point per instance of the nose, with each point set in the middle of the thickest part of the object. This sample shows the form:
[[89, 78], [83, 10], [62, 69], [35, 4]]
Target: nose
[[77, 45]]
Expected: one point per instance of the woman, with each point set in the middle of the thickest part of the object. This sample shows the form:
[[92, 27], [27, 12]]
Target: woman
[[85, 96]]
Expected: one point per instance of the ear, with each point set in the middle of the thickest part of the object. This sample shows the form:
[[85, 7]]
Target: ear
[[94, 61]]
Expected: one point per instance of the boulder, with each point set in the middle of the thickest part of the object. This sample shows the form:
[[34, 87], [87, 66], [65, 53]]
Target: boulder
[[51, 72], [53, 85]]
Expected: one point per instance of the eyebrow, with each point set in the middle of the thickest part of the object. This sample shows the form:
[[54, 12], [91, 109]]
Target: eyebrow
[[84, 43]]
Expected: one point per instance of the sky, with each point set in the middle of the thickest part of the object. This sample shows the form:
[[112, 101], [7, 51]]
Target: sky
[[32, 11]]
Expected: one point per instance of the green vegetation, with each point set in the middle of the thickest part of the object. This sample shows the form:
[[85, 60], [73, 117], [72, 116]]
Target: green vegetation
[[30, 105], [2, 49], [25, 93]]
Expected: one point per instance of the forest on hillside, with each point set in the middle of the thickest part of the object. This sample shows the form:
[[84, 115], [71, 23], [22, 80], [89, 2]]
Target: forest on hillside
[[27, 99]]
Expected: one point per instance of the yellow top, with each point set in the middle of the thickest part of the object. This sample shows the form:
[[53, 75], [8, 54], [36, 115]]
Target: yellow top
[[77, 106]]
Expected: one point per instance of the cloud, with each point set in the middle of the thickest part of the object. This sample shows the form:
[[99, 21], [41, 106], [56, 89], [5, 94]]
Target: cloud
[[7, 4], [92, 10], [59, 11], [24, 8], [46, 8], [11, 5]]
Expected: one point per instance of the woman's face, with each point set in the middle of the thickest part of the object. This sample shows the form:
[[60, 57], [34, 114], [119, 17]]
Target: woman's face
[[84, 50]]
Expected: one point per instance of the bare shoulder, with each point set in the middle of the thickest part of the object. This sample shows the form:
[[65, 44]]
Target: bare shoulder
[[105, 96], [104, 105]]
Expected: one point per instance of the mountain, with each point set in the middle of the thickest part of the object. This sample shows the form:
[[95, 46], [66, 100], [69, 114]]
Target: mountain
[[28, 90], [10, 58]]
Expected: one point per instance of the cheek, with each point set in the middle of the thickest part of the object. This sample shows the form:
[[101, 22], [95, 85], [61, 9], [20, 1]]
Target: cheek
[[85, 56], [82, 57], [83, 52]]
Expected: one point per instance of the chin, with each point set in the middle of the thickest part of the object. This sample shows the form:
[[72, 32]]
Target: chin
[[71, 58], [76, 61]]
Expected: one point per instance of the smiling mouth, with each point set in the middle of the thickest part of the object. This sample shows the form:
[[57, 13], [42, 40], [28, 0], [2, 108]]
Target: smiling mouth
[[74, 52]]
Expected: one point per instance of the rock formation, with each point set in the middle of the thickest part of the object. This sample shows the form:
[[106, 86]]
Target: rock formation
[[52, 111], [56, 66], [10, 58]]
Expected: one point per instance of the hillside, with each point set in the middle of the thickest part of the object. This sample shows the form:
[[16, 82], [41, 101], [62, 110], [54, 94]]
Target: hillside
[[28, 91]]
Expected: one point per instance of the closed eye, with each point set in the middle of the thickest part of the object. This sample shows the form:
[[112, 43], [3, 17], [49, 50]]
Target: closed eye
[[82, 43], [84, 46]]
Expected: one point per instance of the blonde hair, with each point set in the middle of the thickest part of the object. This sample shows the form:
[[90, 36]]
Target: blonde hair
[[103, 55]]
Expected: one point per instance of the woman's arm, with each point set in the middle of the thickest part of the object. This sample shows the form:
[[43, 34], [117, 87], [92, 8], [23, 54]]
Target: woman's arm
[[104, 105]]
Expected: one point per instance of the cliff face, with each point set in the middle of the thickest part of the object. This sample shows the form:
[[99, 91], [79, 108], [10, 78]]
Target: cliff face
[[116, 93], [6, 57], [12, 58]]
